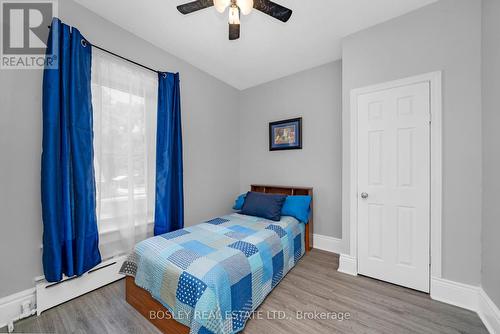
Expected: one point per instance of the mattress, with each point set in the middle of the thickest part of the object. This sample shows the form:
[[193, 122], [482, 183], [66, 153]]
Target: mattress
[[211, 276]]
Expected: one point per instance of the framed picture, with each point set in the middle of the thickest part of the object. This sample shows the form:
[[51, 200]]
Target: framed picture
[[285, 135]]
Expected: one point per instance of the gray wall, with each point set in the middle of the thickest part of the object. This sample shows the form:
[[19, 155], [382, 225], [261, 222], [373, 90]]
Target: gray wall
[[491, 150], [225, 132], [442, 36], [316, 96], [210, 118]]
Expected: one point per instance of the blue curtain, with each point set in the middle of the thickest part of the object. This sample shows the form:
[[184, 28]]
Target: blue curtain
[[70, 236], [169, 205]]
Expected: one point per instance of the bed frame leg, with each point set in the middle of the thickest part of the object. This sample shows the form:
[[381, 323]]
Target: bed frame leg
[[307, 239]]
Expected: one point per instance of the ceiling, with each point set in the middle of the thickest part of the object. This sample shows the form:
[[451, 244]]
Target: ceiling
[[268, 49]]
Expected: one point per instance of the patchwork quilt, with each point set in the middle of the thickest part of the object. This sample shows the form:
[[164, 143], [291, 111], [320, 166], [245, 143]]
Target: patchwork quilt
[[212, 276]]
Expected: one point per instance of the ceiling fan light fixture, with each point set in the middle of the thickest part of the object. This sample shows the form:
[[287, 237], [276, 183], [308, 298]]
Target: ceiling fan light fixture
[[234, 15], [245, 6], [221, 5], [236, 8]]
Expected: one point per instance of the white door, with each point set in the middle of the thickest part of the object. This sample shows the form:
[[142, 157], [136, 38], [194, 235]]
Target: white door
[[394, 185]]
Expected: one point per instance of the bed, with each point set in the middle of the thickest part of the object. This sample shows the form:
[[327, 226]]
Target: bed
[[208, 278]]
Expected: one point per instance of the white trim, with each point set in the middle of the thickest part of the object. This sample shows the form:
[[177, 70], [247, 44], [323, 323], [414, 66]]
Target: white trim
[[72, 288], [348, 265], [436, 173], [469, 297], [454, 293], [40, 298], [11, 307], [435, 80], [488, 312], [326, 243]]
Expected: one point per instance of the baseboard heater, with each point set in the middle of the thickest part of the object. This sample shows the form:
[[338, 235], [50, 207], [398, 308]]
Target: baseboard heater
[[49, 294]]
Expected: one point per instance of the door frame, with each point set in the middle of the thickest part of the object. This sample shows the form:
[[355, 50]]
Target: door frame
[[350, 262]]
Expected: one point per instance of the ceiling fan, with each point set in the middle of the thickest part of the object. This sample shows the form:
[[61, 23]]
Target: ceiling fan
[[237, 7]]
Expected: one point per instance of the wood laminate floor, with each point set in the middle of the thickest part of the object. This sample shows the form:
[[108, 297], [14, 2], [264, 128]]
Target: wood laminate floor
[[314, 285]]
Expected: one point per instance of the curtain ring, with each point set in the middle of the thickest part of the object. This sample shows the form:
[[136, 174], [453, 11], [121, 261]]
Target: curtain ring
[[84, 43], [164, 75]]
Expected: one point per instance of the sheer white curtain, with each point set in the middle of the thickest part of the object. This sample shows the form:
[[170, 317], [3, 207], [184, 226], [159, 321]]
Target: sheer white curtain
[[124, 99]]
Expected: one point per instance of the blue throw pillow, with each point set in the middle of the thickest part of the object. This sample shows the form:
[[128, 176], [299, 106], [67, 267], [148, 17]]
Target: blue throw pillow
[[238, 203], [298, 207], [262, 205]]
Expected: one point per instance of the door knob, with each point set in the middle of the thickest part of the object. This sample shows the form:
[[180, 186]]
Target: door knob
[[364, 195]]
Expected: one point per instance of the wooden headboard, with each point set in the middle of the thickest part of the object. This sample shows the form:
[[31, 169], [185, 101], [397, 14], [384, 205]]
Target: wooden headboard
[[285, 190]]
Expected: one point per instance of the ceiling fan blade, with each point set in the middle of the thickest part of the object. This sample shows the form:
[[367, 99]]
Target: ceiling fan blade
[[234, 31], [273, 9], [194, 6]]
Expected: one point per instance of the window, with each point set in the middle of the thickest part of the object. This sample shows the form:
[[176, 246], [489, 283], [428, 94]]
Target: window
[[124, 99]]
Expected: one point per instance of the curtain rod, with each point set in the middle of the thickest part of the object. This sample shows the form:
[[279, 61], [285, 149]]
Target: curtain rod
[[121, 57], [126, 59]]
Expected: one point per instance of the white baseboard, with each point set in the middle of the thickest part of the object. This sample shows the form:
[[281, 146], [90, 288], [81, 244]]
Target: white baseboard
[[348, 265], [455, 293], [44, 296], [469, 297], [326, 243], [11, 307], [48, 296], [488, 312]]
